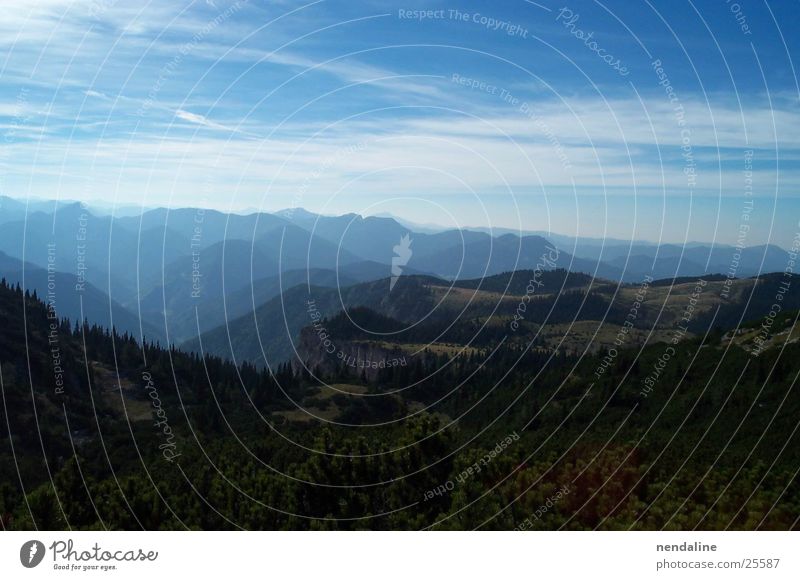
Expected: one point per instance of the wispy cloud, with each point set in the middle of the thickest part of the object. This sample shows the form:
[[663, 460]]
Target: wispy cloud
[[199, 120], [158, 100]]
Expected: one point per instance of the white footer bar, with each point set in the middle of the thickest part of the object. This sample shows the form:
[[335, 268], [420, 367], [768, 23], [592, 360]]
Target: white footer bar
[[401, 555]]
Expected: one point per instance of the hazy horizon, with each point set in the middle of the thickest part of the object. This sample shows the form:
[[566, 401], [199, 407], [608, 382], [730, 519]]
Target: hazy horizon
[[104, 208]]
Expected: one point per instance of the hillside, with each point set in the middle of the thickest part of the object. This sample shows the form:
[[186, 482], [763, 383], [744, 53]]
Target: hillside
[[77, 300], [97, 454], [559, 311]]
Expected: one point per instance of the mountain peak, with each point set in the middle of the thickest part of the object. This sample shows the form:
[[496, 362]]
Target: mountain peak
[[295, 212]]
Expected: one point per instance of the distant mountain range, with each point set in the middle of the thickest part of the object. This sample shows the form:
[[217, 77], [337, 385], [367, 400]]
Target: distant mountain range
[[175, 274]]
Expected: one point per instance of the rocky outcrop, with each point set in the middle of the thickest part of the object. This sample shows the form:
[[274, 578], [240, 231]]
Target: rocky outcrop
[[320, 353]]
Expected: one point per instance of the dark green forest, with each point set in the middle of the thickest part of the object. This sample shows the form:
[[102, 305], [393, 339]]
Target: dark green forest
[[102, 432]]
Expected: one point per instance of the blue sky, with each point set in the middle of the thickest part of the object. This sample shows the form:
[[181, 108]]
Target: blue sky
[[625, 119]]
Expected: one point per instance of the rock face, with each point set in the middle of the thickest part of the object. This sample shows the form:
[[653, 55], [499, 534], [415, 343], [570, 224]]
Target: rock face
[[319, 352]]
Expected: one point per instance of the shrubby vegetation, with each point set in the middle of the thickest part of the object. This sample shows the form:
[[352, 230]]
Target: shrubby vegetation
[[711, 446]]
